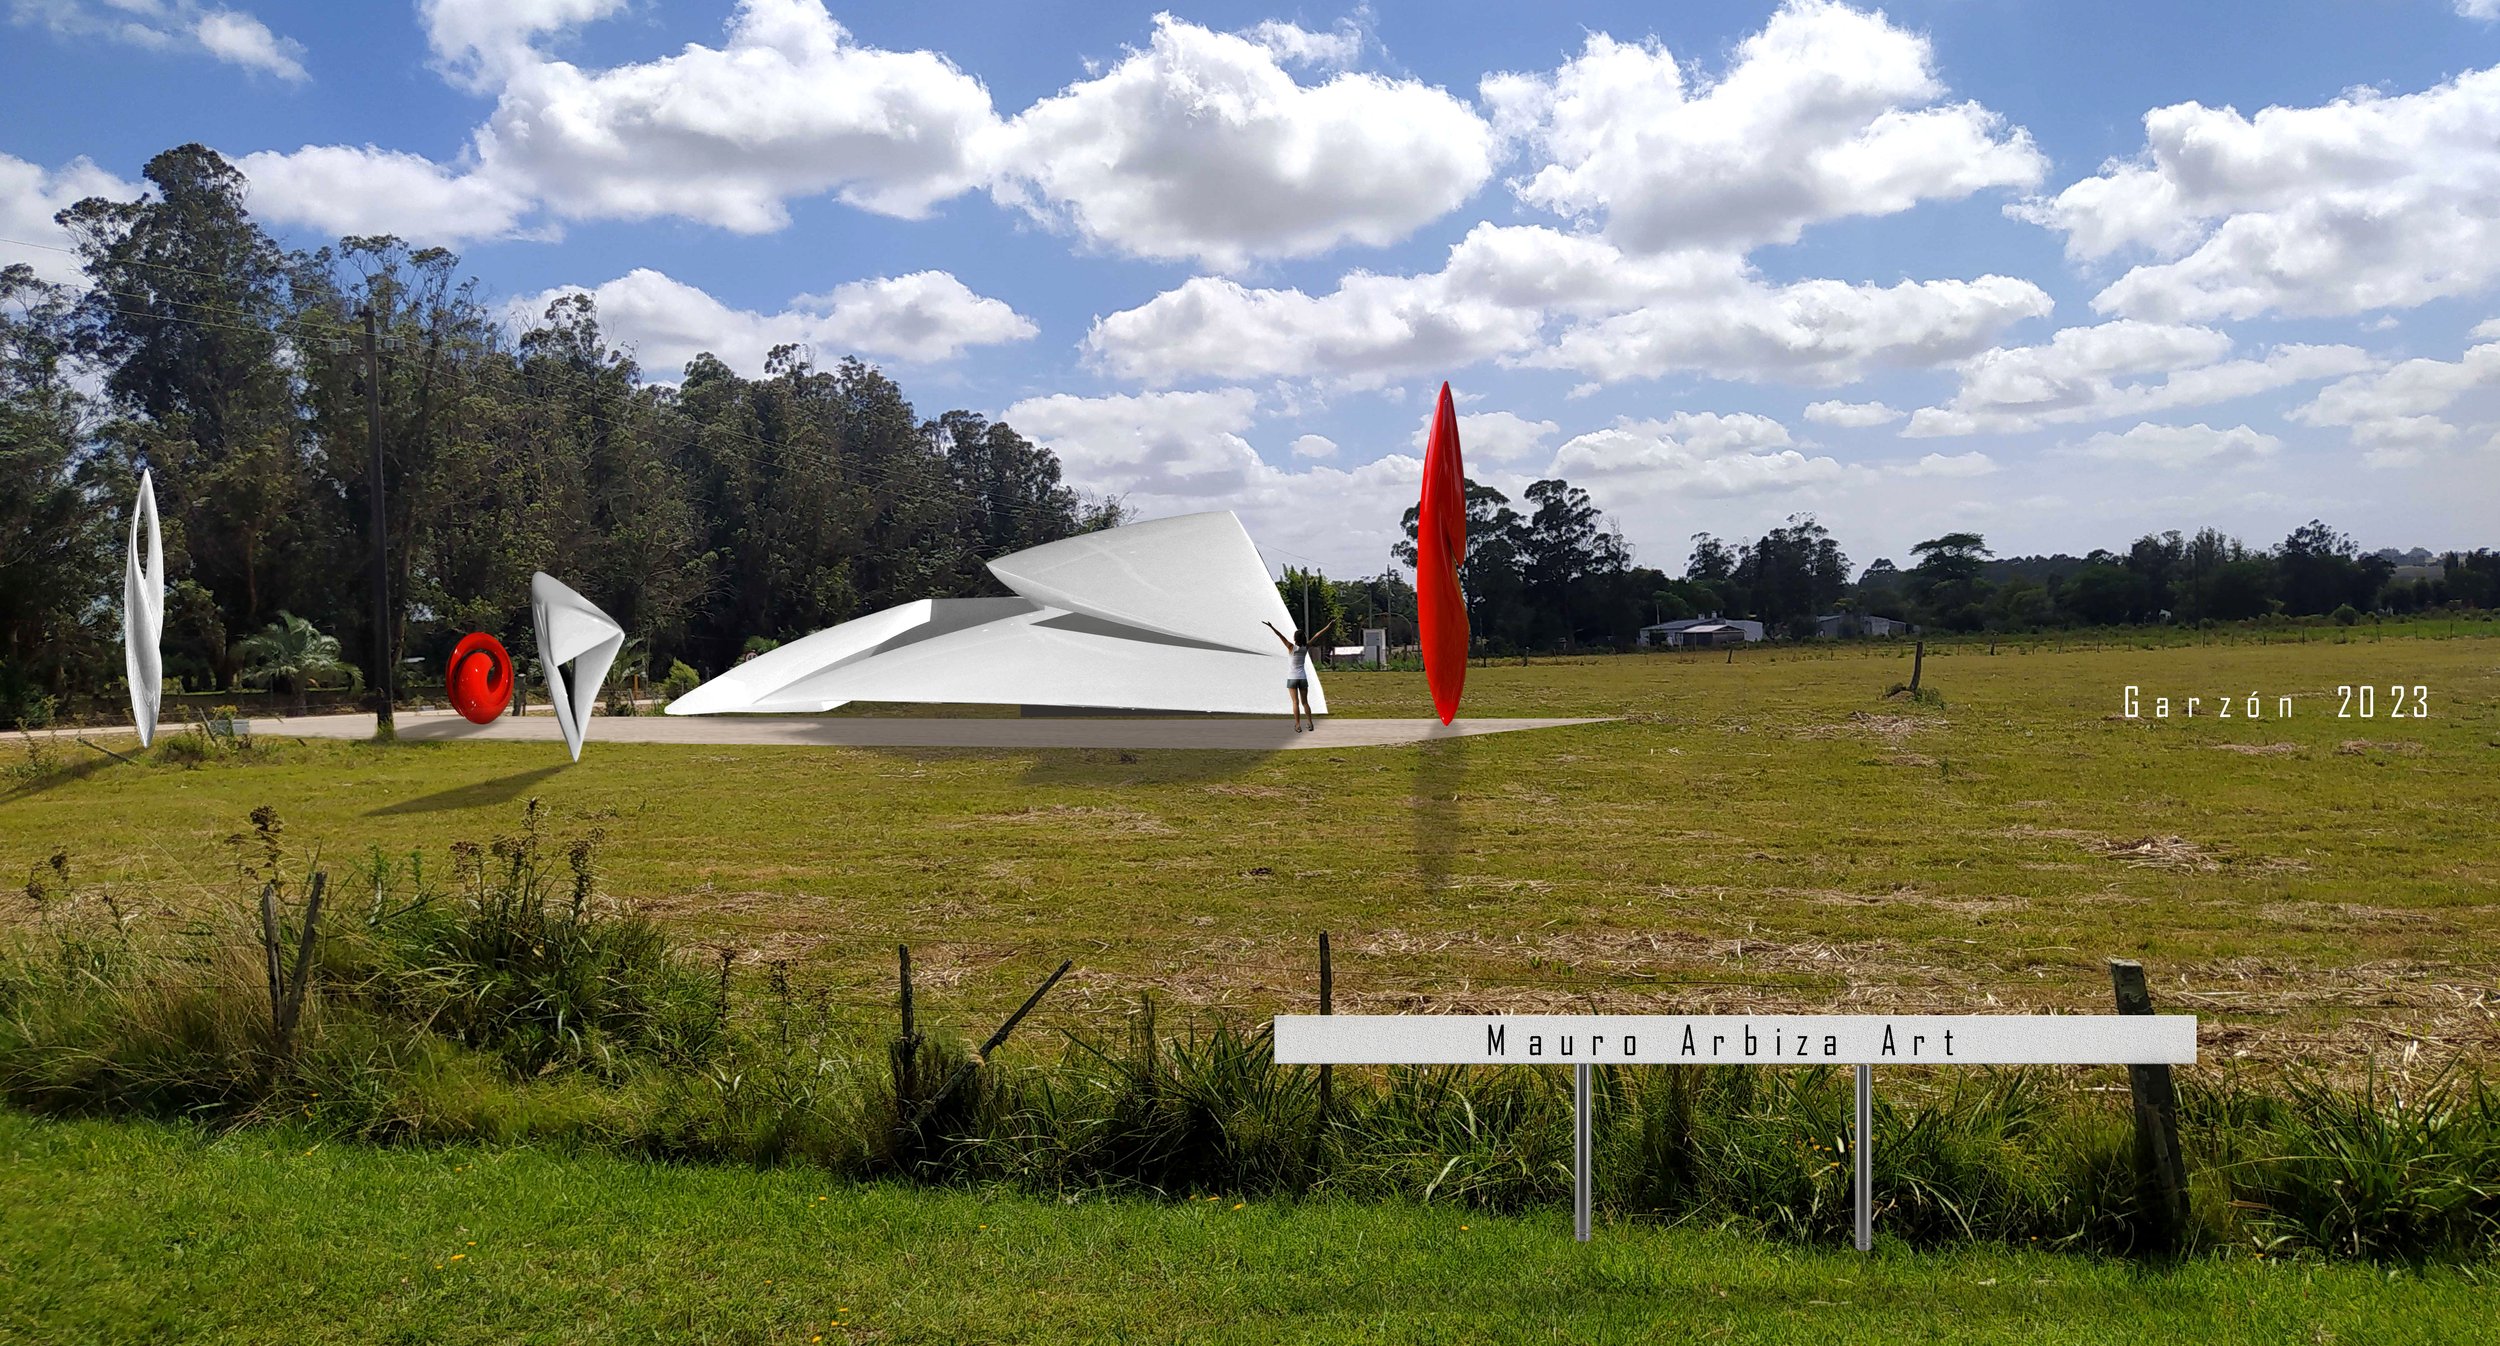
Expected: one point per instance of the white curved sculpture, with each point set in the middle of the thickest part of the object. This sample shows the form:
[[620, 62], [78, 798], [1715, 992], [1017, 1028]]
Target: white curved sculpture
[[572, 629], [143, 615], [1161, 615]]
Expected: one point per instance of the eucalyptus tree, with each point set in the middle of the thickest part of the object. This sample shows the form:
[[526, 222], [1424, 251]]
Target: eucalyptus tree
[[61, 502], [186, 313]]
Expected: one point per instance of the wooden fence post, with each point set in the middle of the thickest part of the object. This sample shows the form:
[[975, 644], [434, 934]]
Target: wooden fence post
[[1918, 664], [1327, 987], [293, 1012], [907, 1052], [286, 992], [269, 953], [981, 1054], [2161, 1169]]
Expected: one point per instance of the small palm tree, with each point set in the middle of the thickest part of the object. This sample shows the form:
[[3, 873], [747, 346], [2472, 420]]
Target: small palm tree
[[293, 652]]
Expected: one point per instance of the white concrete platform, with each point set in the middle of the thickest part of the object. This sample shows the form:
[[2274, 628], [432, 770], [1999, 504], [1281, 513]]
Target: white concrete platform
[[856, 731]]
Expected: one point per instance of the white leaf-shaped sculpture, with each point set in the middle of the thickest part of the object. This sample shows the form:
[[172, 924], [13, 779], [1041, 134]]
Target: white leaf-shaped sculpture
[[143, 615], [571, 628]]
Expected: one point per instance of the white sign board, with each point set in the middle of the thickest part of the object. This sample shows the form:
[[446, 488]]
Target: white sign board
[[1736, 1039]]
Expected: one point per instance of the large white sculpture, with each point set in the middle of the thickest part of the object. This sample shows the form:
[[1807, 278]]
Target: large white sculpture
[[1162, 615], [143, 615], [572, 628]]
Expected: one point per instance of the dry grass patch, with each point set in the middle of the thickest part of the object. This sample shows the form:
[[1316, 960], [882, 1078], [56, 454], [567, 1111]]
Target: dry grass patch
[[1090, 816]]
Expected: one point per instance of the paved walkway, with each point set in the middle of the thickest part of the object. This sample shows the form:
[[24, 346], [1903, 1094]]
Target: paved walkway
[[882, 732]]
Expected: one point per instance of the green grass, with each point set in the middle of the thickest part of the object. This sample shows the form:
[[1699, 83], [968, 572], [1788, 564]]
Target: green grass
[[141, 1232], [1765, 833]]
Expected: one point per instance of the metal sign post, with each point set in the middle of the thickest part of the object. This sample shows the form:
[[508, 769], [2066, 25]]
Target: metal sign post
[[1586, 1041], [1583, 1164], [1862, 1149]]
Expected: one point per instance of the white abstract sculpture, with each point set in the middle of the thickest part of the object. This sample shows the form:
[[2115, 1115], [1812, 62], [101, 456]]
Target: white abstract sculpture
[[571, 628], [1162, 615], [143, 615]]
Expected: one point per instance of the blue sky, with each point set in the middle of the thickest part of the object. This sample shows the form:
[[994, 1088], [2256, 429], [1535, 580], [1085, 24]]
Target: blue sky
[[2061, 274]]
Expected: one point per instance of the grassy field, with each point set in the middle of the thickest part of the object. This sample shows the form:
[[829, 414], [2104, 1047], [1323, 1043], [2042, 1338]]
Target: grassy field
[[131, 1233], [1767, 831]]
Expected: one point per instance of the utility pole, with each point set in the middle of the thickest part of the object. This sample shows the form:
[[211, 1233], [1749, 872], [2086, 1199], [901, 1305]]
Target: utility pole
[[383, 664]]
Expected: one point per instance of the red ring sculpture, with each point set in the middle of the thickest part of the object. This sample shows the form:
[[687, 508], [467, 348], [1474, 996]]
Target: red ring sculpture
[[479, 679]]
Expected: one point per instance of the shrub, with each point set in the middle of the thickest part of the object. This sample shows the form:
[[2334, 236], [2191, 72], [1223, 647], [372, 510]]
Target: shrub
[[539, 977], [2345, 615], [188, 749], [681, 679]]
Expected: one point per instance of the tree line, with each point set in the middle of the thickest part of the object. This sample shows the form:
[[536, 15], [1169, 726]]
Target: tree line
[[701, 516], [1559, 575]]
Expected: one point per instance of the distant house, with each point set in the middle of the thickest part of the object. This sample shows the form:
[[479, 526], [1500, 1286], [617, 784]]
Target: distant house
[[1844, 625], [1372, 653], [1690, 632]]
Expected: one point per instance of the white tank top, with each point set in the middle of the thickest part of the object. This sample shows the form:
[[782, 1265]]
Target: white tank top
[[1301, 667]]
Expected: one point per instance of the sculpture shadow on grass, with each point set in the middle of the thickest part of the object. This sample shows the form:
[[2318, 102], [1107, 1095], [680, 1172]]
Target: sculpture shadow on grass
[[1440, 779], [54, 777], [1140, 766], [477, 794]]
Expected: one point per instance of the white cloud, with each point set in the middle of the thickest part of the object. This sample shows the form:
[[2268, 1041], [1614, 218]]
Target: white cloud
[[2486, 10], [923, 317], [1176, 452], [1971, 464], [1823, 114], [229, 35], [1202, 146], [342, 189], [1370, 329], [2365, 202], [1636, 318], [239, 39], [2177, 446], [1493, 436], [788, 106], [1812, 332], [480, 42], [1186, 445], [1335, 49], [1314, 446], [2398, 413], [30, 195], [1703, 454], [1852, 415], [2096, 373]]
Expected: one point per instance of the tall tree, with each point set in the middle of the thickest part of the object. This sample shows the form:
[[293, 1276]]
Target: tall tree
[[1011, 487], [62, 506], [1492, 576], [1793, 574], [186, 310], [1946, 581], [1568, 556], [2316, 569]]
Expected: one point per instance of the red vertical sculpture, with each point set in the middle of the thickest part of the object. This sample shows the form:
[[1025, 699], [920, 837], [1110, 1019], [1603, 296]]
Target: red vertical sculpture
[[1440, 545]]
